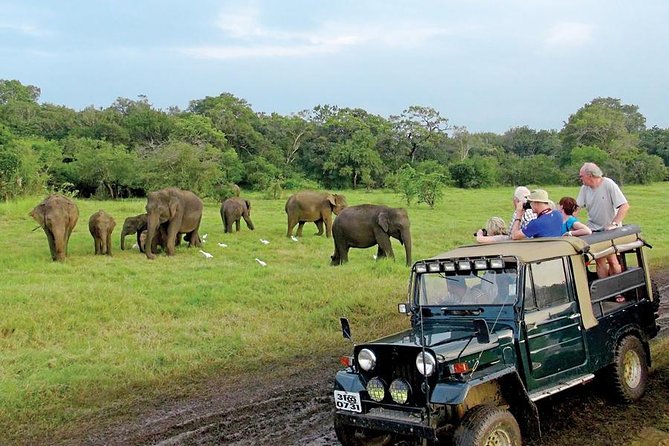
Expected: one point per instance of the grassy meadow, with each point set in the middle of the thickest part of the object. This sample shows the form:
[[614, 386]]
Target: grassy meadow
[[85, 338]]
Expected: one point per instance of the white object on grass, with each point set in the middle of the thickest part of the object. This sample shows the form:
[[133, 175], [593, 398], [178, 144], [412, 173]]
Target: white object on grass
[[295, 239], [222, 245], [206, 254], [264, 242], [261, 262]]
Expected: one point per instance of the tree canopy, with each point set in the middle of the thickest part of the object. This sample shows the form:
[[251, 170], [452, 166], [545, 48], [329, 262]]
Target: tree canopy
[[131, 147]]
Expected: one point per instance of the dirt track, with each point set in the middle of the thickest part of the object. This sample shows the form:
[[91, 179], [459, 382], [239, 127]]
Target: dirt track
[[297, 408]]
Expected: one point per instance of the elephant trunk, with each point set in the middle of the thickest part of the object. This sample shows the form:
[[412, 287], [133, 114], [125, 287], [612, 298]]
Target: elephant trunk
[[153, 223], [406, 239], [123, 234], [59, 244]]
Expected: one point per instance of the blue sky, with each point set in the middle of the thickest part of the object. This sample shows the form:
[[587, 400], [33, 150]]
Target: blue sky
[[488, 65]]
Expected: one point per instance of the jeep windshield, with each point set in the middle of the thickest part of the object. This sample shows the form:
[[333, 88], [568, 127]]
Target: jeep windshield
[[466, 283]]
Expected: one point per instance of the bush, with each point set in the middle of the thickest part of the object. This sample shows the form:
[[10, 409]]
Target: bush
[[474, 173]]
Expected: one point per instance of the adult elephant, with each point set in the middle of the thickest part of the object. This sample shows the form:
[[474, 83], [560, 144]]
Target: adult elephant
[[58, 216], [233, 210], [134, 225], [368, 225], [180, 210], [101, 225], [313, 206]]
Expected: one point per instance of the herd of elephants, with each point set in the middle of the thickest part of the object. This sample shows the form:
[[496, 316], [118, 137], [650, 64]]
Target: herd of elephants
[[171, 213]]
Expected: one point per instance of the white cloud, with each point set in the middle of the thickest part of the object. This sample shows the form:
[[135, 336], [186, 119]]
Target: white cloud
[[250, 38], [569, 35], [22, 29]]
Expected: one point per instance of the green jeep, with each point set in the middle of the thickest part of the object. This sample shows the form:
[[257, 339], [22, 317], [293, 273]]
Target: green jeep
[[494, 328]]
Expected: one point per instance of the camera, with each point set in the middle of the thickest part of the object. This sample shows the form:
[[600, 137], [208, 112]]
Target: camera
[[527, 205], [484, 230]]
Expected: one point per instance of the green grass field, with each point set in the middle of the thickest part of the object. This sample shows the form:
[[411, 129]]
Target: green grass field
[[88, 336]]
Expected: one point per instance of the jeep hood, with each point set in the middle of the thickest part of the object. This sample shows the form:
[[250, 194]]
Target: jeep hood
[[446, 342]]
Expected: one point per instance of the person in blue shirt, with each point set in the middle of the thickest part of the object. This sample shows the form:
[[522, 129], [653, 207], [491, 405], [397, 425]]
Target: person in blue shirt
[[570, 224], [548, 222]]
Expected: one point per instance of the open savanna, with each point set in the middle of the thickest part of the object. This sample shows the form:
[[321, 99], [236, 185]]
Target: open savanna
[[87, 338]]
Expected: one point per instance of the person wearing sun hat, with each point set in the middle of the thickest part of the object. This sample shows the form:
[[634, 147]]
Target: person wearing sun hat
[[548, 222]]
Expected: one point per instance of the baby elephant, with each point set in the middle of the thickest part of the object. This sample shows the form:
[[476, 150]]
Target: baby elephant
[[232, 211], [101, 225], [368, 225]]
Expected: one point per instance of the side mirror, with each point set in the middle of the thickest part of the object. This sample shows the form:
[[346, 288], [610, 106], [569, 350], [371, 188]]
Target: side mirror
[[482, 331], [345, 328]]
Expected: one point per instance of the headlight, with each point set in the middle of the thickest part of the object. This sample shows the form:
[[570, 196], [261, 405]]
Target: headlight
[[366, 359], [376, 389], [426, 363], [399, 391]]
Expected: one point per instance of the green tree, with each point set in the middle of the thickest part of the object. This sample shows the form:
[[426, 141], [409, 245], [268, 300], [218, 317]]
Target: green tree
[[354, 161], [655, 141], [15, 91], [475, 172], [101, 168], [430, 189], [183, 165], [423, 129]]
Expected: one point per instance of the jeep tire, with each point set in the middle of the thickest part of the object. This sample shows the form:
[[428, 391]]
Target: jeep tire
[[487, 426], [628, 374]]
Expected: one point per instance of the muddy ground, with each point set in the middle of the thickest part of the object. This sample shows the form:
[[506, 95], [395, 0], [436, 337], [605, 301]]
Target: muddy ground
[[296, 408]]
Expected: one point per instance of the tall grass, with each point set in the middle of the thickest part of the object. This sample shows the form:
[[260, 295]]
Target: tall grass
[[96, 332]]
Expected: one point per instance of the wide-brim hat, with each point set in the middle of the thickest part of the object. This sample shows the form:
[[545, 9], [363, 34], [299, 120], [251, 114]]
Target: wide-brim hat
[[539, 195]]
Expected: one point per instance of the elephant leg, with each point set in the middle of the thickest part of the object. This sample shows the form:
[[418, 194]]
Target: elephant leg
[[328, 225], [291, 224], [238, 224], [140, 243], [194, 239], [300, 225], [109, 245], [384, 243], [380, 253], [319, 225], [52, 243], [170, 242]]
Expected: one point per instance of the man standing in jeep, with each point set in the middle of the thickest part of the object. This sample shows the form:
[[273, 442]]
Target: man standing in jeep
[[607, 207]]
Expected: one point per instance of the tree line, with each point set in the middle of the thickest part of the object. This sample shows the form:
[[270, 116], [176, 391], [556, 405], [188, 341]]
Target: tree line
[[130, 148]]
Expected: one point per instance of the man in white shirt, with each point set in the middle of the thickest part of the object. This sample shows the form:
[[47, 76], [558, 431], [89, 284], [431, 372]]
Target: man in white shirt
[[607, 208]]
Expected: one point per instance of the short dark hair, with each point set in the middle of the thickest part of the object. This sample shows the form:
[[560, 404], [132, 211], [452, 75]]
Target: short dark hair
[[569, 205]]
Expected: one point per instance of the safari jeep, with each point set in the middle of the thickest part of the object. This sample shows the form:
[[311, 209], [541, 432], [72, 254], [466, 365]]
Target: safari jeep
[[534, 320]]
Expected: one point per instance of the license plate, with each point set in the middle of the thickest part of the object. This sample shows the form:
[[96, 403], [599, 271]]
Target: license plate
[[347, 401]]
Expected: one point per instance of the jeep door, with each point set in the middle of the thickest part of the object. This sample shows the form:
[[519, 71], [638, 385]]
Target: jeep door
[[553, 340]]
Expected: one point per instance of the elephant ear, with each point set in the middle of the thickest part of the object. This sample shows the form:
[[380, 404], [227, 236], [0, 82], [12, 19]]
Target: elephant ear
[[174, 206], [382, 220], [331, 199], [248, 204]]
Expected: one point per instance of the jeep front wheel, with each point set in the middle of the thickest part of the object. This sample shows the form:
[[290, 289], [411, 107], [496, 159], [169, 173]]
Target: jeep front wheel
[[629, 372], [487, 426]]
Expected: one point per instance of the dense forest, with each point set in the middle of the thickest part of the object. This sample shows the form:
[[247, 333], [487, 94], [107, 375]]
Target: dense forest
[[130, 148]]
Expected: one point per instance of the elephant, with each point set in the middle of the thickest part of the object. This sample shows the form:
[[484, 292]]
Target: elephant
[[134, 225], [101, 225], [233, 210], [313, 206], [179, 210], [58, 216], [367, 225], [138, 225]]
